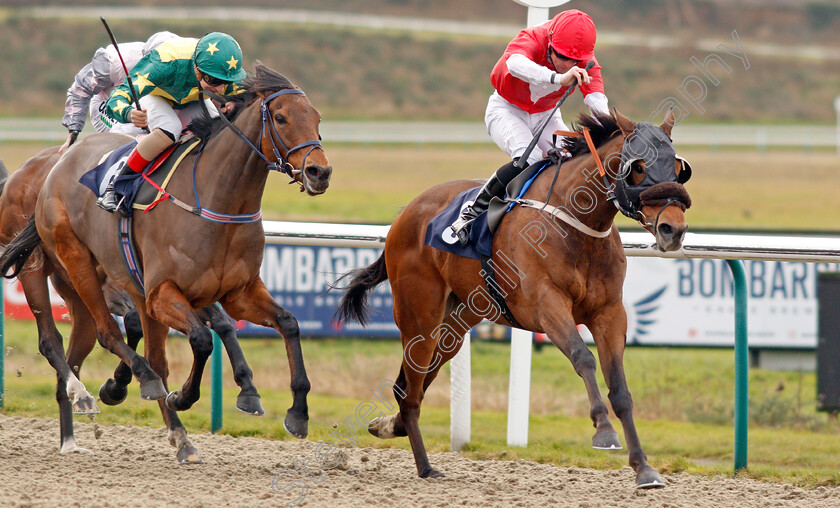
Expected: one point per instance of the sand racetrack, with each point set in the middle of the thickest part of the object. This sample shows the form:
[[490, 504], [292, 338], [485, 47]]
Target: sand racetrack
[[135, 466]]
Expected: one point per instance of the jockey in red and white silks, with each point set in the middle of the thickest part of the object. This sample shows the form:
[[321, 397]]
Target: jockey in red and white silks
[[535, 70], [93, 85], [528, 82]]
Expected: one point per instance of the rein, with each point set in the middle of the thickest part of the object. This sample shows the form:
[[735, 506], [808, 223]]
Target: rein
[[281, 163], [560, 214]]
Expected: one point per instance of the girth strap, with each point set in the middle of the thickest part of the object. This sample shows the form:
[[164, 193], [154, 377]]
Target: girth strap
[[565, 217], [493, 288], [129, 255]]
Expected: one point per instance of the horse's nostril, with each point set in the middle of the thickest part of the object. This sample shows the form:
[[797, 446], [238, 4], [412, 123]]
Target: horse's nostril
[[666, 230], [313, 171]]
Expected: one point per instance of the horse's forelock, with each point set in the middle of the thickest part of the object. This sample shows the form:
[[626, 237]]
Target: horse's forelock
[[266, 79], [602, 128]]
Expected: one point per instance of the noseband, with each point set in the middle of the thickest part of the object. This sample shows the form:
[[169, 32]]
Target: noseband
[[281, 163]]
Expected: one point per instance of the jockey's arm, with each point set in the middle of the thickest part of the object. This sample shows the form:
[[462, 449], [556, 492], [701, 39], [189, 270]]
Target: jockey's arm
[[94, 78], [526, 69], [597, 103]]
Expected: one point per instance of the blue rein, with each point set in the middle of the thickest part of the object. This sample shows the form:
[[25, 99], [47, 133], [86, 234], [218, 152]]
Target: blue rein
[[281, 163]]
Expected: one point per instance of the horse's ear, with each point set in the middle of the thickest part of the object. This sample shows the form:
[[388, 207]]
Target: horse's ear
[[624, 124], [668, 124]]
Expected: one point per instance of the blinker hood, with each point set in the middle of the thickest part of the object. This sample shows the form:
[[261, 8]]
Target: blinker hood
[[650, 144]]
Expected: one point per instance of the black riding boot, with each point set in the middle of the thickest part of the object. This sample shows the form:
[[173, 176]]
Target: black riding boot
[[495, 186], [109, 200]]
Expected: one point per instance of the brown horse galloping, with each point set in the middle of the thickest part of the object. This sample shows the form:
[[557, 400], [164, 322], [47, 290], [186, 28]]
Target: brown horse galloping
[[553, 274], [18, 196], [188, 262]]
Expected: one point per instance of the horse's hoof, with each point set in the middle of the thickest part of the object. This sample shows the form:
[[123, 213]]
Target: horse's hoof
[[432, 473], [373, 426], [111, 393], [152, 390], [606, 440], [175, 401], [296, 426], [189, 455], [70, 447], [250, 405], [85, 406], [648, 478]]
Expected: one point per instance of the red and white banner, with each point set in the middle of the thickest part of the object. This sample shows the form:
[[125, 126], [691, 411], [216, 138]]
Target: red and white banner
[[17, 308]]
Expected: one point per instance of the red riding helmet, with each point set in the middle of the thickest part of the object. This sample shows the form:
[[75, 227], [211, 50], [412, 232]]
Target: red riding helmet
[[572, 34]]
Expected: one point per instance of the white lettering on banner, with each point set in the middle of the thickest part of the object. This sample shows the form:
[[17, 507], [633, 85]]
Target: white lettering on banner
[[277, 268], [295, 268], [304, 270]]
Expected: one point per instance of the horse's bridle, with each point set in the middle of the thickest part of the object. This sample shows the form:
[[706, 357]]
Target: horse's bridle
[[634, 213], [281, 163]]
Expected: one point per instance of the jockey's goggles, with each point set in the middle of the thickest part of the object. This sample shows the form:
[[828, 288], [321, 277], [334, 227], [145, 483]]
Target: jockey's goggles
[[212, 80], [562, 57]]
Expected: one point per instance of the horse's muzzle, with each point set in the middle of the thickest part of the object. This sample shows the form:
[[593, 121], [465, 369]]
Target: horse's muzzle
[[316, 179], [669, 238]]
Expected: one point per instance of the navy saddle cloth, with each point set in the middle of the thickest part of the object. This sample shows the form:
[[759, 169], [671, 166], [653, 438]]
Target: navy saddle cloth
[[440, 236], [131, 185]]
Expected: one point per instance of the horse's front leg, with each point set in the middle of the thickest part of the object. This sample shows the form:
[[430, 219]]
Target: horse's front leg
[[248, 400], [255, 304], [609, 329], [114, 390], [167, 304], [556, 320]]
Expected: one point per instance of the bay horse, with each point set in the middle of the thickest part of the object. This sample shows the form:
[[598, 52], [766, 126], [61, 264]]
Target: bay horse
[[557, 265], [190, 259], [18, 196]]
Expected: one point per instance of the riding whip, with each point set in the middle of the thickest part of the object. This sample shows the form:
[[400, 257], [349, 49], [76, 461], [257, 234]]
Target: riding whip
[[523, 159], [125, 68]]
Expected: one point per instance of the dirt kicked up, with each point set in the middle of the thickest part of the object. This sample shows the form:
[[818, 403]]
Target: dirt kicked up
[[135, 466]]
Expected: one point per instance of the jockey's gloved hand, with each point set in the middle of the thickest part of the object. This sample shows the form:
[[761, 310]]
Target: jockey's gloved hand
[[71, 138], [572, 76]]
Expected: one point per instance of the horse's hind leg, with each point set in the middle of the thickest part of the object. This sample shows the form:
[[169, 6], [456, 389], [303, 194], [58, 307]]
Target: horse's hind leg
[[51, 346], [448, 344], [114, 390], [248, 400], [155, 346], [256, 305], [82, 274], [418, 315], [609, 329], [560, 327]]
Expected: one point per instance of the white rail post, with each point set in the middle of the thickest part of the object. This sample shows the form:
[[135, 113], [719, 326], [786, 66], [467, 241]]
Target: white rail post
[[460, 402], [538, 9], [519, 390]]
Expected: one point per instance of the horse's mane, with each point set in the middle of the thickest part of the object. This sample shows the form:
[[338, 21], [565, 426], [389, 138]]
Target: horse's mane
[[602, 128], [263, 80]]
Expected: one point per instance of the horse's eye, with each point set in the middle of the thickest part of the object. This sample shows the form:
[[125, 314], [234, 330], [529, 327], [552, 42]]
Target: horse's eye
[[638, 168], [279, 118]]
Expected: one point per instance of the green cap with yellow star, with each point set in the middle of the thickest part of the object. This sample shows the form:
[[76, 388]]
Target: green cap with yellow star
[[220, 56]]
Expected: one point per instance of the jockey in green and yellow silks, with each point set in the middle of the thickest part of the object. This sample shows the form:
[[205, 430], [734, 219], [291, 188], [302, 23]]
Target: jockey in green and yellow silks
[[167, 82]]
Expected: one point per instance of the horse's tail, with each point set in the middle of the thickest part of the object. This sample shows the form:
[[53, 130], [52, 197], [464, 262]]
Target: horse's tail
[[17, 252], [354, 304]]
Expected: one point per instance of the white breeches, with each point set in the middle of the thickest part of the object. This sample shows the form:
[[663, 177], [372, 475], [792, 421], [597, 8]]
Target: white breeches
[[513, 129], [161, 114]]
